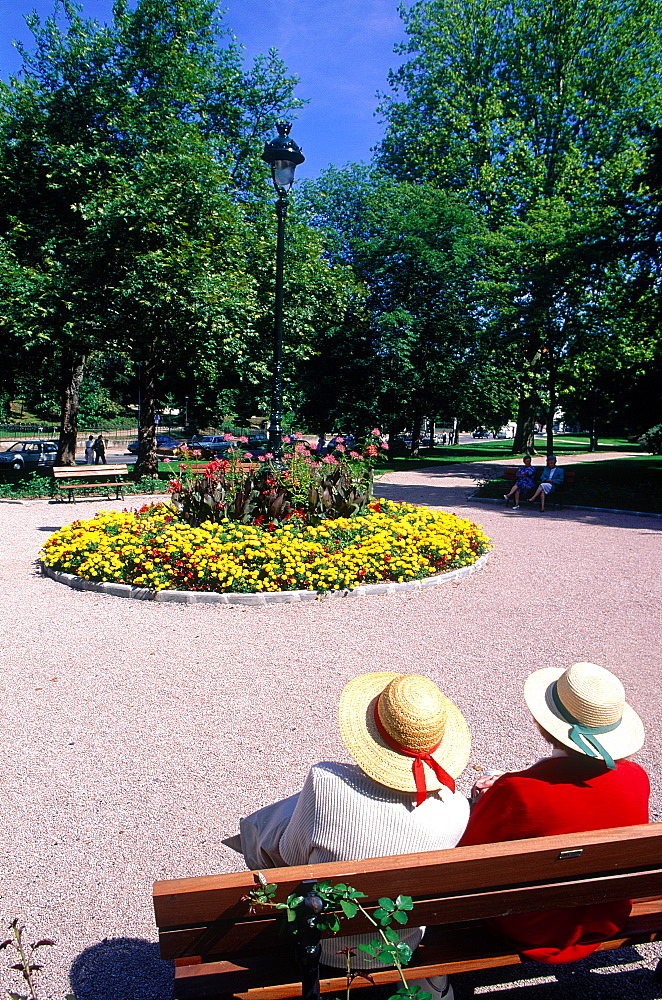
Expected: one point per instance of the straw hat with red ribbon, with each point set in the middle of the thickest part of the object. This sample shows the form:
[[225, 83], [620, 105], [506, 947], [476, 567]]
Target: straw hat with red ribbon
[[403, 732]]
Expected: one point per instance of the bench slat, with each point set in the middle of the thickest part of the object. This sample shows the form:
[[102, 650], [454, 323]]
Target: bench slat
[[183, 902], [443, 950], [247, 939]]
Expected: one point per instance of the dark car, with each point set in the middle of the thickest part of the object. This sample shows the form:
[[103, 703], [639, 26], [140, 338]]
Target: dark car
[[164, 443], [28, 455], [348, 440], [212, 445]]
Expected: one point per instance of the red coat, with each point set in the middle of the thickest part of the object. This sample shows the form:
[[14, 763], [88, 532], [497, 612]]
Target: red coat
[[560, 795]]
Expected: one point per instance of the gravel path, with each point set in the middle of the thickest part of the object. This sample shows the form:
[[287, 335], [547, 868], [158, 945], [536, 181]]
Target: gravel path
[[134, 735]]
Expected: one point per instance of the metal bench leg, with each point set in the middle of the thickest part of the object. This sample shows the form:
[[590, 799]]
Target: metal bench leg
[[308, 950]]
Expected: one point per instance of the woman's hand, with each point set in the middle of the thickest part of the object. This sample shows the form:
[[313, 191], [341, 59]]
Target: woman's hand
[[484, 782]]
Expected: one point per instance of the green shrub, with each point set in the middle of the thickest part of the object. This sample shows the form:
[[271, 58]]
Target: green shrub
[[651, 440]]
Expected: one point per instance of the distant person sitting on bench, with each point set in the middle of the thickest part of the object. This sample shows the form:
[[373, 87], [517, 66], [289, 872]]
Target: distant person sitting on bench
[[552, 477], [586, 784], [525, 482]]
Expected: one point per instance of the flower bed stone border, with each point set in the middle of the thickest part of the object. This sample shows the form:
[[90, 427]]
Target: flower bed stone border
[[260, 599]]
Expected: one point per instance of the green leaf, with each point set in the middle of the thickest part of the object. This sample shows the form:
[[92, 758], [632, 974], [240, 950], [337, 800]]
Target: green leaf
[[387, 904], [400, 917], [369, 949], [404, 903], [391, 935], [404, 952], [349, 909]]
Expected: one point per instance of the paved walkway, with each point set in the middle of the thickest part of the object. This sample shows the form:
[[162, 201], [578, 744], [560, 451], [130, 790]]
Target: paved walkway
[[134, 735]]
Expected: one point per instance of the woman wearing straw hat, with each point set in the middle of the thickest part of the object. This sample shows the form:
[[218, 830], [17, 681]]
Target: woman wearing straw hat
[[586, 784], [410, 743]]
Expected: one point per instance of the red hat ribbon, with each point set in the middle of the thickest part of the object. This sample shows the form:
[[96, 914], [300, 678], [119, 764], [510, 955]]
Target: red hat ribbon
[[420, 757]]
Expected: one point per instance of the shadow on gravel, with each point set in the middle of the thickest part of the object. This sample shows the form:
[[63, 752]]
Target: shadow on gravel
[[607, 975], [122, 969]]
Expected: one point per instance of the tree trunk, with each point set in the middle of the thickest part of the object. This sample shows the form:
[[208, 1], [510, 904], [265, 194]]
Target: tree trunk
[[147, 464], [416, 435], [551, 409], [593, 444], [524, 440], [72, 376], [431, 423]]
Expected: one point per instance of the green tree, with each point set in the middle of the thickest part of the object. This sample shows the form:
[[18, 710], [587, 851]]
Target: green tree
[[122, 213], [423, 340], [537, 113]]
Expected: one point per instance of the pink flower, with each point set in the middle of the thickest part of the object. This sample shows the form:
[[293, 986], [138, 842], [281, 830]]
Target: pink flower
[[300, 449], [376, 432], [196, 454], [354, 454], [339, 440], [371, 451], [330, 460], [340, 447], [384, 445], [268, 455], [260, 458], [243, 439], [298, 436], [228, 437], [286, 438], [167, 460]]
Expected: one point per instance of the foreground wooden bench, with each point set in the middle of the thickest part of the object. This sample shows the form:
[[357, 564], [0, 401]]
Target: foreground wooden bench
[[79, 477], [556, 496], [221, 950]]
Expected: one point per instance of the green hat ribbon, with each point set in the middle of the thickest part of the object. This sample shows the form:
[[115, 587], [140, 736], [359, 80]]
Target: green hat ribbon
[[584, 737]]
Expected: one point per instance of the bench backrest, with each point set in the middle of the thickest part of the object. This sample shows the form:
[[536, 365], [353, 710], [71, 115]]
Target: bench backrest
[[207, 916], [86, 471]]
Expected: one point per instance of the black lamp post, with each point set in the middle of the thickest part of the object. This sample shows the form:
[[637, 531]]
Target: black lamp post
[[283, 156]]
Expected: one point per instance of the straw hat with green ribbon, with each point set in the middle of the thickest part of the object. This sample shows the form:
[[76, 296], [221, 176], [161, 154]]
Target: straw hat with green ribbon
[[584, 708], [403, 732]]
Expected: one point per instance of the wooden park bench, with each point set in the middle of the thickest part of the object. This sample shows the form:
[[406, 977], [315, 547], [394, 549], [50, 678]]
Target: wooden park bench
[[556, 496], [78, 478], [222, 949]]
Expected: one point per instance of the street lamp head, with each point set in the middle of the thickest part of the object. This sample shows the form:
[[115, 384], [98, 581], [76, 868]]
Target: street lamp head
[[283, 156]]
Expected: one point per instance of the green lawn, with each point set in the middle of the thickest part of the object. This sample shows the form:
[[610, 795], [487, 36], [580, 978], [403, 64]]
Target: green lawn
[[484, 449], [633, 483]]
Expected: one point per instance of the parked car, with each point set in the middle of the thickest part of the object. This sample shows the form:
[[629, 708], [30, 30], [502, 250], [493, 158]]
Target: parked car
[[212, 445], [164, 443], [348, 440], [28, 455], [480, 432]]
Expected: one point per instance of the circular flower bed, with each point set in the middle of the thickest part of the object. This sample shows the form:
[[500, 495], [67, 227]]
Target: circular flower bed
[[390, 542]]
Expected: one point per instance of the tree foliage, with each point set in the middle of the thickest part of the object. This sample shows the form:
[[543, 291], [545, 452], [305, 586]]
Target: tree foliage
[[538, 114]]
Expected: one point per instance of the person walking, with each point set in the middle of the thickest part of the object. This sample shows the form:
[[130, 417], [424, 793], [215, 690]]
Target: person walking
[[89, 450], [100, 451]]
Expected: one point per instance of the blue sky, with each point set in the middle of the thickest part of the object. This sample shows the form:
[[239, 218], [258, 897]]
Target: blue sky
[[340, 49]]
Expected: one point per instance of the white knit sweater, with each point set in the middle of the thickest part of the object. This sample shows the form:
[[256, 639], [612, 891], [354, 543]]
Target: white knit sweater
[[342, 815]]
